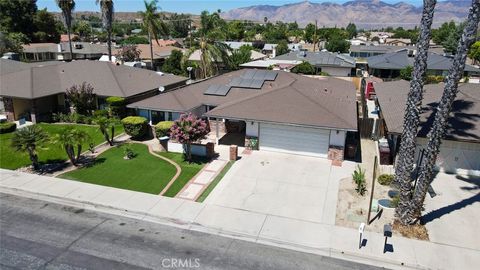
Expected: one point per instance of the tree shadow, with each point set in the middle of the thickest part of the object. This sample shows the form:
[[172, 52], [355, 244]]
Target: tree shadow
[[461, 121]]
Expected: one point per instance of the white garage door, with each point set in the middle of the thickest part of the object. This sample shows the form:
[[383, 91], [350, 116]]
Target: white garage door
[[296, 140]]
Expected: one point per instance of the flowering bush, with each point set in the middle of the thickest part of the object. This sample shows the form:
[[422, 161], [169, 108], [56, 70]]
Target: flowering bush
[[188, 129]]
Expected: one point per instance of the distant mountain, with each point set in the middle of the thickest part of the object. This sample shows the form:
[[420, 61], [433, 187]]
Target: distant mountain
[[364, 13]]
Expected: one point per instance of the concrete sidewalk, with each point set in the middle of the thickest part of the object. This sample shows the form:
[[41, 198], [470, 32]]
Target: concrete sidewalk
[[318, 238]]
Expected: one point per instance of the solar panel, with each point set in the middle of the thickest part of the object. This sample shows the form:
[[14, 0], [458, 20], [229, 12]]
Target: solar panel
[[249, 74], [236, 82], [217, 90], [270, 75], [259, 75], [256, 84]]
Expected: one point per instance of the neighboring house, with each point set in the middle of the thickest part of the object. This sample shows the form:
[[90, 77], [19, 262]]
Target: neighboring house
[[363, 51], [460, 149], [37, 52], [332, 63], [285, 65], [64, 37], [195, 56], [398, 42], [358, 41], [160, 54], [286, 112], [36, 90], [389, 65]]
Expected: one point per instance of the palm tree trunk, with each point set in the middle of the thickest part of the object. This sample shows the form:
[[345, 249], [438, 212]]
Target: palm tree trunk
[[442, 113], [79, 151], [406, 157], [33, 158], [109, 42], [112, 130], [70, 43], [151, 50]]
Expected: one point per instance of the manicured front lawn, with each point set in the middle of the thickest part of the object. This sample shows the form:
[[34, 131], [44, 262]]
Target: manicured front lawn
[[189, 170], [144, 173], [10, 159]]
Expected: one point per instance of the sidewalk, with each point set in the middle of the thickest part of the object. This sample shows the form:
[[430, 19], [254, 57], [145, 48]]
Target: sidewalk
[[318, 238]]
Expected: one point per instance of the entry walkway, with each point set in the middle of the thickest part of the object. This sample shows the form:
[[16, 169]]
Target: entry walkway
[[302, 235]]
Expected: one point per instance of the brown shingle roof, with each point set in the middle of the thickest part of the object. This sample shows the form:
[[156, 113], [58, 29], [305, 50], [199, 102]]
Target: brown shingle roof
[[33, 81], [291, 98], [464, 122]]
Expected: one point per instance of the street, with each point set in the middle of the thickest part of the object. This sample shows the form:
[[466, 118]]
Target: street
[[41, 235]]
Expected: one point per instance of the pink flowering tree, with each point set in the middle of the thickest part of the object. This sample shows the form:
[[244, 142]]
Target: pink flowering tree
[[188, 129]]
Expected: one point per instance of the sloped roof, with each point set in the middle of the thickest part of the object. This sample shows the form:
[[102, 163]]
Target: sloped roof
[[290, 98], [400, 60], [320, 58], [34, 81], [464, 122]]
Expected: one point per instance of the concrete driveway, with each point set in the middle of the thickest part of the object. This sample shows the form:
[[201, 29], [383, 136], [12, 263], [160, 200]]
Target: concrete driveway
[[293, 186], [452, 217]]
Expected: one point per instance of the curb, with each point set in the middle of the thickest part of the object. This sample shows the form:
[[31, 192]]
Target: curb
[[328, 252]]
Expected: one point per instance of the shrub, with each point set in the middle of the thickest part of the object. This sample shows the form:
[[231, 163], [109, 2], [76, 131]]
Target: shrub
[[395, 200], [304, 68], [163, 128], [99, 113], [128, 153], [7, 127], [117, 106], [430, 79], [135, 126], [385, 179], [359, 179], [72, 118]]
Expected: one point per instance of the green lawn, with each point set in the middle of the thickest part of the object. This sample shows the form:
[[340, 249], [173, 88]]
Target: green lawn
[[215, 181], [10, 159], [144, 173], [189, 170]]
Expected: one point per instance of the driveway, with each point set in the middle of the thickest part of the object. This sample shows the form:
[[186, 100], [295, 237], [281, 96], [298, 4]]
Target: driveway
[[452, 217], [286, 185]]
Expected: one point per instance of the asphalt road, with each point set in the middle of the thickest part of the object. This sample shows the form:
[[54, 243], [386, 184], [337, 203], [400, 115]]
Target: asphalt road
[[40, 235]]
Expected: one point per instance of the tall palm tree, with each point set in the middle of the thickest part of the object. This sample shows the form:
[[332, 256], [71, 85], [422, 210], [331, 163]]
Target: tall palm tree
[[442, 112], [405, 163], [69, 138], [153, 24], [107, 19], [67, 7], [28, 139]]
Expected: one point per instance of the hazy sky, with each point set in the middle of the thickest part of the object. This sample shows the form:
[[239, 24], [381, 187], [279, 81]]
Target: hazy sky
[[190, 6]]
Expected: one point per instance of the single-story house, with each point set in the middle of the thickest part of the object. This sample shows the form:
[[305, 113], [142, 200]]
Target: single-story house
[[285, 65], [460, 149], [363, 51], [36, 90], [160, 54], [389, 65], [398, 41], [332, 63], [286, 112], [36, 52]]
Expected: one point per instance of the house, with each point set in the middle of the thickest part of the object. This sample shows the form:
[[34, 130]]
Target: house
[[286, 112], [64, 37], [285, 65], [35, 90], [363, 51], [389, 65], [37, 52], [460, 149], [160, 54], [398, 41], [332, 63]]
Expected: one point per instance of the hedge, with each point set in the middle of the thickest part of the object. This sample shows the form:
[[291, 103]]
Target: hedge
[[135, 126], [7, 127], [117, 106], [163, 128]]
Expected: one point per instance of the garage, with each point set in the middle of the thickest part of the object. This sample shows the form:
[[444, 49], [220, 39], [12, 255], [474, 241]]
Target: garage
[[294, 140]]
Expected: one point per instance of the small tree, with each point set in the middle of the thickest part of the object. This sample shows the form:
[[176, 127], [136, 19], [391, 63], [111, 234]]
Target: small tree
[[129, 53], [337, 45], [173, 64], [406, 73], [28, 139], [82, 98], [105, 124], [189, 129], [71, 138], [474, 52], [282, 48], [304, 68]]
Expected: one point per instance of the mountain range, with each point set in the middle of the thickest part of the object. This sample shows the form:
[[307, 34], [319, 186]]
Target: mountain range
[[366, 14]]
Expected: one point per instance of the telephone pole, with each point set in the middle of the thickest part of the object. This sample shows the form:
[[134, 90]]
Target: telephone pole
[[315, 36]]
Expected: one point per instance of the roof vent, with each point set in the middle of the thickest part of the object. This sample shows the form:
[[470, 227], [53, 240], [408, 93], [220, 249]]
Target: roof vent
[[325, 90], [78, 46]]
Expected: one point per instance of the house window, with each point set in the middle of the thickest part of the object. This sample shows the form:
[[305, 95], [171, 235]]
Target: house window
[[157, 117], [170, 116]]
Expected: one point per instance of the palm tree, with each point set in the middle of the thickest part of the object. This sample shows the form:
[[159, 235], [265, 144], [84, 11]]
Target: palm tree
[[67, 6], [104, 124], [405, 163], [69, 138], [28, 139], [442, 113], [153, 24], [107, 18]]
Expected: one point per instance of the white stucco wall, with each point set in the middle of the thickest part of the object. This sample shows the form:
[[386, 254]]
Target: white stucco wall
[[337, 137], [251, 128], [197, 150], [335, 71]]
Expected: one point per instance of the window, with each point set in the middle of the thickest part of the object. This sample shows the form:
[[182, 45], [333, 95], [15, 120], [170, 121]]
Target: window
[[157, 117]]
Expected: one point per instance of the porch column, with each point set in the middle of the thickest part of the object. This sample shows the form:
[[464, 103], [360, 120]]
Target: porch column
[[216, 131], [33, 112]]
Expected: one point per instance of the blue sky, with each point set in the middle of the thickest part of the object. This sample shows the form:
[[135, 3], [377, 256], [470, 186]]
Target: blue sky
[[190, 6]]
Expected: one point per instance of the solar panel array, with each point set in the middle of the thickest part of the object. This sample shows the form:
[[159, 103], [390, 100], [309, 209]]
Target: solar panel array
[[252, 79], [217, 90]]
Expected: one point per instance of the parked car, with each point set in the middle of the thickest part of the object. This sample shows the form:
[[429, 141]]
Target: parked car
[[370, 91]]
